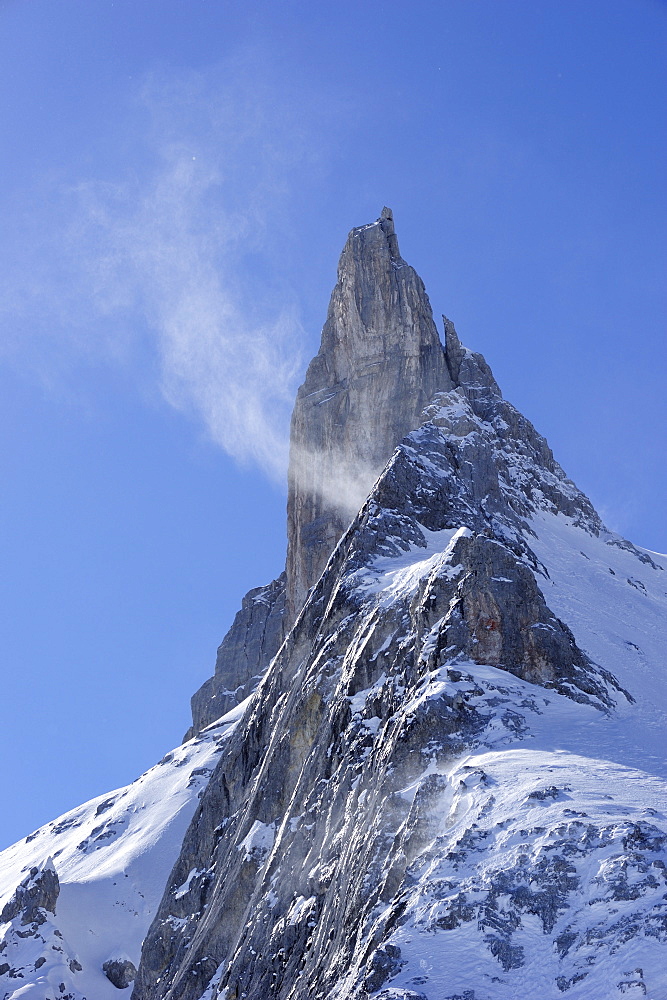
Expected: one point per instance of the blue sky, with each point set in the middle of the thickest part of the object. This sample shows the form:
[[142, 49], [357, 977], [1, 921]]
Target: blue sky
[[177, 183]]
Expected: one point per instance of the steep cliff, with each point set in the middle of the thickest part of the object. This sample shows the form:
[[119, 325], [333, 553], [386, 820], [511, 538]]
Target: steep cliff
[[379, 363], [243, 655]]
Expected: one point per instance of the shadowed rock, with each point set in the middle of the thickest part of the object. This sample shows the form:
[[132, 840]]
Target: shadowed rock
[[243, 655], [120, 972], [37, 893]]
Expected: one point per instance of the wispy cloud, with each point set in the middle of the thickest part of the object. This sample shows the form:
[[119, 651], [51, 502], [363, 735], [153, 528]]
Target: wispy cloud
[[172, 257], [227, 358]]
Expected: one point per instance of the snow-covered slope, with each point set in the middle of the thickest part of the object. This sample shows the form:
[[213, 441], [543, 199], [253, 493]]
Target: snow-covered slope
[[543, 876], [542, 871], [614, 598], [110, 857]]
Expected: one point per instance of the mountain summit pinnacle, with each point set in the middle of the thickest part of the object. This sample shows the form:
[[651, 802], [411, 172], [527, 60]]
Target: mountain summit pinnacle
[[411, 805], [380, 361], [386, 222]]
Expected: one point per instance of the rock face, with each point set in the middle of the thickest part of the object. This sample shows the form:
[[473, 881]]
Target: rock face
[[408, 807], [30, 944], [243, 655], [120, 972], [34, 897], [379, 363]]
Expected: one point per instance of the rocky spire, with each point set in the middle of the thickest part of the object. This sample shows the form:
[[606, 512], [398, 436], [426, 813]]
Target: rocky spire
[[380, 362]]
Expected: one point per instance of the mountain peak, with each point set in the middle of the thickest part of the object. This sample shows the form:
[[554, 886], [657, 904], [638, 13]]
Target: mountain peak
[[380, 361], [418, 772], [411, 788]]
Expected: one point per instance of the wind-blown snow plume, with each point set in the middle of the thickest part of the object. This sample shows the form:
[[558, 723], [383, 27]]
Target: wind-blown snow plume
[[163, 268], [219, 356]]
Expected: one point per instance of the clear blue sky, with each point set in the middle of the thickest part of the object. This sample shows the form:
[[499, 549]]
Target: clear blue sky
[[177, 181]]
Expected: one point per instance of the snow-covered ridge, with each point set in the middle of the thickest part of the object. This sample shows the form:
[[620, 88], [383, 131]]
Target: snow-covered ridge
[[396, 575], [111, 856]]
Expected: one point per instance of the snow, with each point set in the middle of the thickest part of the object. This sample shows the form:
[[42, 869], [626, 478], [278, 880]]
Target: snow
[[392, 577], [184, 888], [622, 628], [454, 960], [210, 990], [549, 778], [568, 781], [300, 909], [111, 856], [258, 841]]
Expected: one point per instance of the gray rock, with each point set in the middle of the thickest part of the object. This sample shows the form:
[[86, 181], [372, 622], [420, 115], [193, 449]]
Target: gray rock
[[243, 656], [379, 363], [34, 897], [120, 972]]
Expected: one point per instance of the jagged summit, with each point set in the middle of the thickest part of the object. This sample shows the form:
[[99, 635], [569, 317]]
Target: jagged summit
[[385, 225], [379, 363], [410, 809]]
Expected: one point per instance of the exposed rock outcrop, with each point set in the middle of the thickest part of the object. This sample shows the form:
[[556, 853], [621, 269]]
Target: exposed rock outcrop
[[243, 655], [120, 972], [379, 363], [34, 897], [32, 950]]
